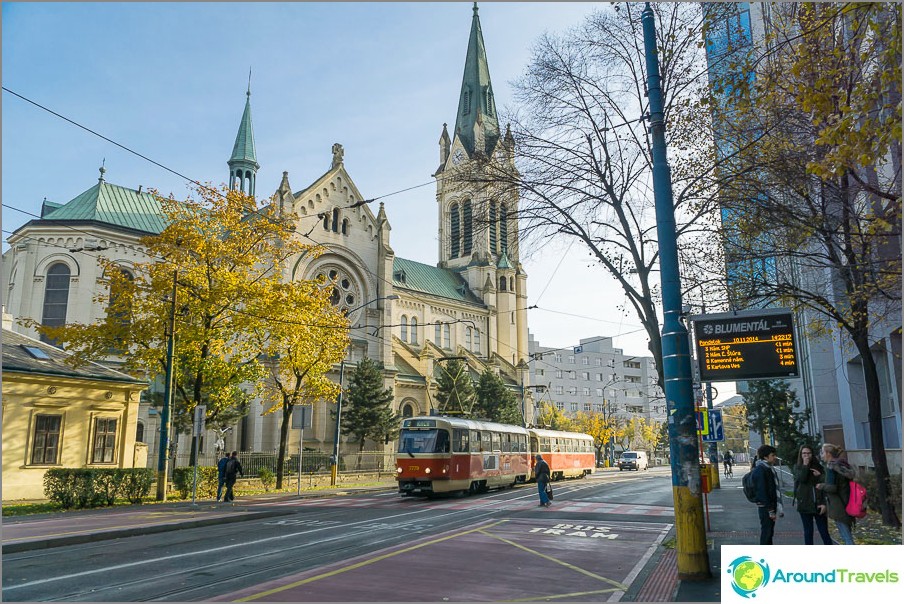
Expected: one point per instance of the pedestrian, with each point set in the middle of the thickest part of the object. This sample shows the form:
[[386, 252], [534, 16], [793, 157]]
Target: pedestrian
[[768, 496], [221, 473], [541, 472], [233, 469], [811, 501], [728, 460], [837, 489]]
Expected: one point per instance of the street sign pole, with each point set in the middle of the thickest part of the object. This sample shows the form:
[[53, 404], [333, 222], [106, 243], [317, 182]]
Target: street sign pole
[[197, 430]]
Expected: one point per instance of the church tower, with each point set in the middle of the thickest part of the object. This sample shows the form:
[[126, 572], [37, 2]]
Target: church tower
[[243, 164], [478, 227]]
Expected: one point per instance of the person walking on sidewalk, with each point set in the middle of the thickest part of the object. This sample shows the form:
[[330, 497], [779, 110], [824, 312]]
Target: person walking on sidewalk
[[541, 471], [811, 501], [837, 489], [233, 469], [221, 473], [768, 497]]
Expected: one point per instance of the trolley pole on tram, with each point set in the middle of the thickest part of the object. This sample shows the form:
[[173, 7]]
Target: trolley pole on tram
[[693, 558]]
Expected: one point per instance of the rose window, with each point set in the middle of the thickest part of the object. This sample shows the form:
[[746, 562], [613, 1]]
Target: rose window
[[345, 293]]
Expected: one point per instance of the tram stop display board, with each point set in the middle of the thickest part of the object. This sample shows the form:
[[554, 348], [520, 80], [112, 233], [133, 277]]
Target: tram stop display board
[[746, 345]]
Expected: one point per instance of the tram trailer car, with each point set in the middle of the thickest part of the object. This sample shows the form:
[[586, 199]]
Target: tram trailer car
[[439, 454], [569, 454]]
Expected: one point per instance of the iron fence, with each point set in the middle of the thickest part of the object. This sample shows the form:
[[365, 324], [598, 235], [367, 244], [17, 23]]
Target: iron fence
[[312, 462]]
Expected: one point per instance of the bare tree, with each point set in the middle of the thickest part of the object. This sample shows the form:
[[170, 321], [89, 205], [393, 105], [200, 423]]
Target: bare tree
[[582, 160], [816, 217]]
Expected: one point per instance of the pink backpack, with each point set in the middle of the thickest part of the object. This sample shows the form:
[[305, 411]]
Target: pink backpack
[[856, 505]]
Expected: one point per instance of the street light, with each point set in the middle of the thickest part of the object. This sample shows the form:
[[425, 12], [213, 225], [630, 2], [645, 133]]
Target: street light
[[334, 461]]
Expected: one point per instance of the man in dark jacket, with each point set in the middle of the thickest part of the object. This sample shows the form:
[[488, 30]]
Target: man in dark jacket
[[766, 492], [233, 469], [541, 472], [221, 474]]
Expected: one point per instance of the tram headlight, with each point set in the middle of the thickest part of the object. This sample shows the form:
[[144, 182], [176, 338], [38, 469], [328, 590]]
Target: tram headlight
[[399, 470], [427, 471]]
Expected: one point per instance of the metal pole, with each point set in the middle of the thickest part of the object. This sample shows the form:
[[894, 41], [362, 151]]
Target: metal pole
[[163, 448], [334, 462], [693, 559], [300, 449]]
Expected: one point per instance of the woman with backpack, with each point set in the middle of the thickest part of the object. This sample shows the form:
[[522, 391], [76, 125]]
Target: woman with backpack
[[811, 502], [837, 489]]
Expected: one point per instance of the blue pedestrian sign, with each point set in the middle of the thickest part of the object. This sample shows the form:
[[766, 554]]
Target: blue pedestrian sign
[[716, 431]]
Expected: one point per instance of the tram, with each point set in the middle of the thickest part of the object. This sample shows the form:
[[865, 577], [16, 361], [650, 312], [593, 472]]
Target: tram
[[569, 454], [440, 454]]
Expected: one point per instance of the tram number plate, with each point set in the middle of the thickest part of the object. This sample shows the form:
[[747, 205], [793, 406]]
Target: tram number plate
[[414, 468]]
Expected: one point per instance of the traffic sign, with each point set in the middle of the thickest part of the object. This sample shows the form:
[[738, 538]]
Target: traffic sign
[[703, 426], [716, 430]]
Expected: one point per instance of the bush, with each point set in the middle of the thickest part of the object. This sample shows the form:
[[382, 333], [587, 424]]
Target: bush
[[207, 481], [868, 479], [136, 483], [267, 478], [90, 487]]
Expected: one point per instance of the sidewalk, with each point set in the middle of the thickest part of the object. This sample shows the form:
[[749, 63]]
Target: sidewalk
[[734, 521]]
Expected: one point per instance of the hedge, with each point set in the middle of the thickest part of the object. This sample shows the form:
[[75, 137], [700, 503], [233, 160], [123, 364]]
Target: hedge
[[207, 481], [93, 487]]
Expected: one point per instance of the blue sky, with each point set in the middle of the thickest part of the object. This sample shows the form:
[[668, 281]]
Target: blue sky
[[168, 80]]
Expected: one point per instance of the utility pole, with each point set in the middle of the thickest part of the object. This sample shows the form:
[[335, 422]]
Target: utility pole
[[163, 448], [693, 558]]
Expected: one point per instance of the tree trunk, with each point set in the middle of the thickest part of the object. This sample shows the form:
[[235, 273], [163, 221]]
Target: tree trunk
[[877, 441], [283, 442]]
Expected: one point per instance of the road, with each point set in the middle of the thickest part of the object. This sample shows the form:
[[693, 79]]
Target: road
[[590, 545]]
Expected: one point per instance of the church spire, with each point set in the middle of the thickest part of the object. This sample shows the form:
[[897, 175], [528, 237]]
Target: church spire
[[476, 106], [243, 164]]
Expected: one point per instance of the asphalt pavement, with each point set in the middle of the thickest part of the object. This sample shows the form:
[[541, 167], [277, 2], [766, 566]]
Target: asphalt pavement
[[730, 520]]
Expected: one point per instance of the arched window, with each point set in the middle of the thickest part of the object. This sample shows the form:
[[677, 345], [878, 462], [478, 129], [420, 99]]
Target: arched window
[[502, 284], [404, 328], [468, 338], [326, 221], [56, 297], [345, 226], [122, 310], [493, 247], [437, 334], [407, 410], [467, 227], [477, 341], [447, 339], [454, 231], [139, 433], [511, 284], [503, 228], [414, 330], [335, 220]]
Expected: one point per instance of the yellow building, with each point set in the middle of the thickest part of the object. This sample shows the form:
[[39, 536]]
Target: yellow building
[[57, 416]]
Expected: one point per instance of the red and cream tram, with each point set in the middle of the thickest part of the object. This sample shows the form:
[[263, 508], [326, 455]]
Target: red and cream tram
[[569, 454], [439, 454]]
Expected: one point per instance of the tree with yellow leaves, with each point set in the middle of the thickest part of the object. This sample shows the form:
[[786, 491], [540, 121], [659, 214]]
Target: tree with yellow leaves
[[227, 259], [552, 418], [301, 349], [604, 430], [639, 435]]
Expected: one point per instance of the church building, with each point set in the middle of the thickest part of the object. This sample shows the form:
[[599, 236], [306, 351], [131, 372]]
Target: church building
[[405, 314]]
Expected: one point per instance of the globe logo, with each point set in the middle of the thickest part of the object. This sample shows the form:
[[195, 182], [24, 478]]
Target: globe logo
[[748, 575], [708, 330]]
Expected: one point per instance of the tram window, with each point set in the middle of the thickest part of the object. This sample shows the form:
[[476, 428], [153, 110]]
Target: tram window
[[460, 440], [475, 441], [424, 441], [506, 443], [494, 441], [486, 441]]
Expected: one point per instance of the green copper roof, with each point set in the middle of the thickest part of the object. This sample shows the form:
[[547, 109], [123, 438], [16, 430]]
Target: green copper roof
[[445, 283], [503, 261], [114, 205], [243, 150], [476, 99]]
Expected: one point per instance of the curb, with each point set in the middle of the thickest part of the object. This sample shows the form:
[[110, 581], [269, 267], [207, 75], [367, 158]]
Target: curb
[[25, 546]]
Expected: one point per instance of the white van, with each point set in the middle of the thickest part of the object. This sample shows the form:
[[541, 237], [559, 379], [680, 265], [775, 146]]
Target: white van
[[633, 460]]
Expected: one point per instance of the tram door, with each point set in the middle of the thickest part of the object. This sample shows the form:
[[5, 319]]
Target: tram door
[[535, 448]]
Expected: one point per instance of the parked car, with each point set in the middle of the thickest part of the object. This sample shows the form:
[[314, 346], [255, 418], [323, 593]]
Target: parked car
[[633, 460]]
